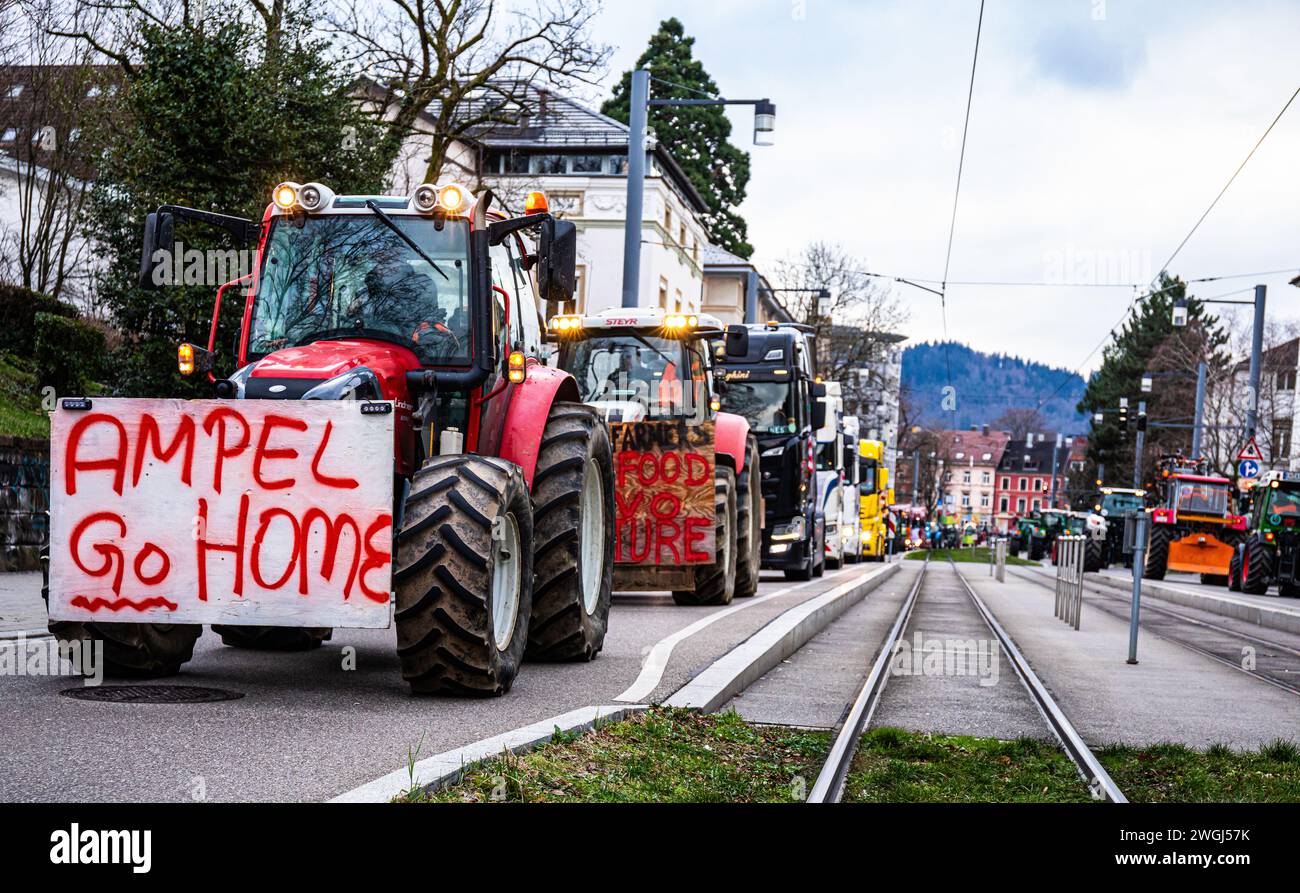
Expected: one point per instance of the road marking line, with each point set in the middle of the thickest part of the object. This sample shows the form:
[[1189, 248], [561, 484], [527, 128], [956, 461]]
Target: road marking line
[[447, 768], [781, 637], [656, 662]]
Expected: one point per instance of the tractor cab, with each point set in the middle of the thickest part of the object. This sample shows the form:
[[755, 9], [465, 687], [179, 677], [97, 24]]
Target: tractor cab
[[637, 364], [1193, 527]]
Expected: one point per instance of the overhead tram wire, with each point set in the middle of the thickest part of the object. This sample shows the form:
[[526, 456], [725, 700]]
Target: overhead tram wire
[[956, 195]]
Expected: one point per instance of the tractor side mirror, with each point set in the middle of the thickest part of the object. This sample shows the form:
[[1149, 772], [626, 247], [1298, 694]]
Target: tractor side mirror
[[738, 341], [158, 234], [557, 259], [818, 406]]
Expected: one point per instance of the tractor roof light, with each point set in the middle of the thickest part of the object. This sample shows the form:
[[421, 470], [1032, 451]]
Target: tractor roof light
[[680, 321], [425, 198], [285, 195], [185, 359], [536, 203], [315, 196], [453, 199], [566, 325]]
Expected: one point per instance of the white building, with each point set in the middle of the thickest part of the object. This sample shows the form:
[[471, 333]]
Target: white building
[[579, 158]]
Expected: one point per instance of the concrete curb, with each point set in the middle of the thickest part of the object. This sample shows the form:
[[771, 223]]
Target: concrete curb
[[436, 772], [787, 633], [1223, 605]]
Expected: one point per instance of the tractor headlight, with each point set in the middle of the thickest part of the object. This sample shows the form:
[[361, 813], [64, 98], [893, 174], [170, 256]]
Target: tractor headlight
[[773, 451], [355, 384], [425, 198]]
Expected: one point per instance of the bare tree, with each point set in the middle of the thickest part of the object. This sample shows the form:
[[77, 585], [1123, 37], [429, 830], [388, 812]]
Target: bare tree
[[1020, 422], [851, 320], [49, 168], [463, 65]]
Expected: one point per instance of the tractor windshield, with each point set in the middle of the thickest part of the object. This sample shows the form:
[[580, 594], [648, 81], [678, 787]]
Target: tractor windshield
[[640, 376], [350, 276], [1285, 503], [765, 405], [1201, 498], [1121, 503]]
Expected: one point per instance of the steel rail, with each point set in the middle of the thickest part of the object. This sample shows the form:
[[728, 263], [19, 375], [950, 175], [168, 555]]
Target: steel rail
[[1094, 774], [829, 786]]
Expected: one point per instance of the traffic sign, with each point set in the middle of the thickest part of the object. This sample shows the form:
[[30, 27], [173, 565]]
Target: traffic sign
[[1248, 468], [1251, 451]]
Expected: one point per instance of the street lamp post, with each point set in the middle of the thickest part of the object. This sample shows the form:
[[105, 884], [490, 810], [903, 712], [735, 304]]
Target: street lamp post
[[764, 125]]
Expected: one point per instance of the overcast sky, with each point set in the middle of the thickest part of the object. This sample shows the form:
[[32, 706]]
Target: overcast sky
[[1100, 131]]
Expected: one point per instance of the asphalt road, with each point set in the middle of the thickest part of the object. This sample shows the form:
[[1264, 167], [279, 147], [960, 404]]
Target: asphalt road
[[307, 729]]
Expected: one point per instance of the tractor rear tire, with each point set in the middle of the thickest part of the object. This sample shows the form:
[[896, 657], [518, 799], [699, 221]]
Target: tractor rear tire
[[1256, 567], [715, 584], [273, 638], [1157, 557], [1234, 571], [1037, 548], [573, 535], [1094, 556], [131, 650], [456, 575], [749, 522]]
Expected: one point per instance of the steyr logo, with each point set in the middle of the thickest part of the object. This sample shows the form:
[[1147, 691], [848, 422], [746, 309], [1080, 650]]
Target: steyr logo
[[78, 847]]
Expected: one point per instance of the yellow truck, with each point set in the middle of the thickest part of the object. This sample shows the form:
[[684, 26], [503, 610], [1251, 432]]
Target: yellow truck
[[873, 499]]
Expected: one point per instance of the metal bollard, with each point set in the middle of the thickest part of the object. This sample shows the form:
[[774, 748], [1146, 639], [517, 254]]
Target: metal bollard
[[1002, 560]]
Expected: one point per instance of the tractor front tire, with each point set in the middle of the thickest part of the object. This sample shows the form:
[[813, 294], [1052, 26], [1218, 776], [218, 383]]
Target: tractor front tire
[[464, 576], [1157, 557], [273, 638], [715, 584], [749, 522], [1234, 571], [1094, 556], [573, 533], [131, 650], [1256, 567], [1037, 548]]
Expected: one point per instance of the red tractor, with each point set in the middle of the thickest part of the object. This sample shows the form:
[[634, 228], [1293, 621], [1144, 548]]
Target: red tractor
[[689, 503], [426, 307]]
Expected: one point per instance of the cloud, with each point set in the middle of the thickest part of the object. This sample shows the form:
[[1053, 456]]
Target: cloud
[[1090, 57]]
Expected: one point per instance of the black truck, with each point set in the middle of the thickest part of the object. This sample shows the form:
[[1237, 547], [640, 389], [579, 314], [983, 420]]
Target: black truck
[[773, 386]]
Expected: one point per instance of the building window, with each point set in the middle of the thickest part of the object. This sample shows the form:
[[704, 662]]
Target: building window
[[586, 164], [10, 134], [679, 307], [1281, 438], [668, 220], [663, 293], [548, 164], [986, 478], [14, 91], [965, 500], [616, 165], [965, 477], [1286, 380], [1038, 487], [681, 235], [1035, 505], [1003, 503], [1024, 485], [1020, 505], [1006, 483], [984, 501]]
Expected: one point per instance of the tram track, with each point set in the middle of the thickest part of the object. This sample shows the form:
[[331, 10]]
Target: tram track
[[830, 783]]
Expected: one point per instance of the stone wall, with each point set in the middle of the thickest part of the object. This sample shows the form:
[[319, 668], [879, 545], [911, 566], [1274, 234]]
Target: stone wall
[[24, 502]]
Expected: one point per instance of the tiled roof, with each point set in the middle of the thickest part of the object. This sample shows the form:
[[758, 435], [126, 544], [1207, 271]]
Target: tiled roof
[[975, 444]]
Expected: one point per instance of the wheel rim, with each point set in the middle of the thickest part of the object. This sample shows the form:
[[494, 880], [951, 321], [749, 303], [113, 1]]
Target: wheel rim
[[591, 537], [506, 580]]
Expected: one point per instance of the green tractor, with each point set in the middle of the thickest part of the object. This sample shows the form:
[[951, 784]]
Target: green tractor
[[1268, 553], [1026, 529], [1115, 505]]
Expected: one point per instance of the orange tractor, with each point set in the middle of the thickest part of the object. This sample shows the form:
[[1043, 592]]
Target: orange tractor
[[490, 485], [1193, 528]]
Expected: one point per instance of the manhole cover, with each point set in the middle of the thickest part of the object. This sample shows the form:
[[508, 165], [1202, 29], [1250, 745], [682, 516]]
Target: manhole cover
[[151, 694]]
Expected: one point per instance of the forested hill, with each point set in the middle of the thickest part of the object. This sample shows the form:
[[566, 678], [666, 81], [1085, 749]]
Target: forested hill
[[987, 385]]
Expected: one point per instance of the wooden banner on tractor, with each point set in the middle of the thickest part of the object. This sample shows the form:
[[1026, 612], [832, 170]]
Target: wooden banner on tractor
[[664, 490], [249, 512]]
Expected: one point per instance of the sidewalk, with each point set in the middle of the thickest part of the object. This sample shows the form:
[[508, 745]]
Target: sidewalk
[[1173, 694], [21, 607]]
